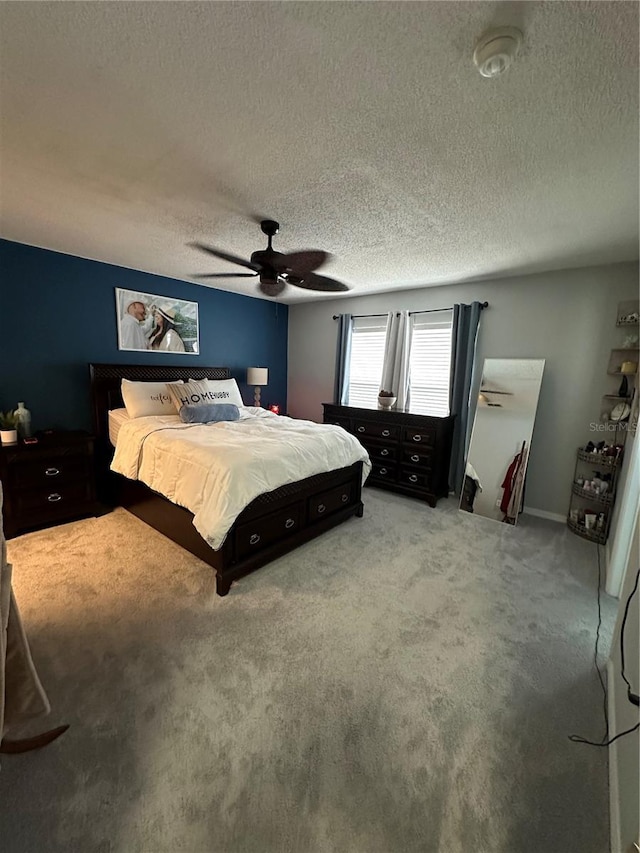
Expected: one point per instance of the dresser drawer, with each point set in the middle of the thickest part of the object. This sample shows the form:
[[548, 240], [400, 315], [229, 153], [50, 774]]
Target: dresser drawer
[[328, 502], [382, 471], [384, 452], [53, 502], [253, 536], [345, 423], [368, 428], [414, 478], [49, 473], [419, 435], [421, 457]]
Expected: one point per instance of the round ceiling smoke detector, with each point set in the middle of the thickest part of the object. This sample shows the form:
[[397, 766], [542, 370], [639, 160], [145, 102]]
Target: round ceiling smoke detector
[[496, 49]]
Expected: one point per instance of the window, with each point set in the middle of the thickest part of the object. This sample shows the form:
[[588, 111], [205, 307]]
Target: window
[[430, 363], [367, 354]]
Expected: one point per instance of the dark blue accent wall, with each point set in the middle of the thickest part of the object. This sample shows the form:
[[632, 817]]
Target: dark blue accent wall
[[58, 314]]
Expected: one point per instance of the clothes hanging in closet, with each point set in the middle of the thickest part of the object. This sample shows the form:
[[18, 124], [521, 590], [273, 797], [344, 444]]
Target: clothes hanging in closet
[[513, 485]]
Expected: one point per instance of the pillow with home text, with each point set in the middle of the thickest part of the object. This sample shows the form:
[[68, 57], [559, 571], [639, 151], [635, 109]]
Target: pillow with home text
[[222, 391]]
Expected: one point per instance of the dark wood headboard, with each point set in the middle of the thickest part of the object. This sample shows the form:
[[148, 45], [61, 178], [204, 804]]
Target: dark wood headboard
[[106, 380]]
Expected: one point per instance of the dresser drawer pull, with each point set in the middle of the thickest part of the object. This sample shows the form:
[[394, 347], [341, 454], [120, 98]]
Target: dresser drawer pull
[[289, 523], [51, 472], [54, 497], [413, 478], [344, 498], [360, 429], [415, 458], [383, 471], [321, 508], [384, 452], [386, 432], [417, 437], [254, 539]]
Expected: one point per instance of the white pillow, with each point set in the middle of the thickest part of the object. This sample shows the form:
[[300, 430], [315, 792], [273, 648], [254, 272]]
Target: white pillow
[[147, 398], [221, 391]]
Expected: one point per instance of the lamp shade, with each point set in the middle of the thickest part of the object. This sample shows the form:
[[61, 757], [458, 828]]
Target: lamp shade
[[257, 376], [628, 367]]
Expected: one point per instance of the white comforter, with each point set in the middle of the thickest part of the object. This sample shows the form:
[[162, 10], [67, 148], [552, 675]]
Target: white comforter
[[216, 470]]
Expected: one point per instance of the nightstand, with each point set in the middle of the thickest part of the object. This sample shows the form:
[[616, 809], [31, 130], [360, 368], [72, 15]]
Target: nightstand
[[48, 482]]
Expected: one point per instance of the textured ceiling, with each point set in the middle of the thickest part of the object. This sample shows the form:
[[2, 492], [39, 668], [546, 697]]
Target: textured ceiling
[[130, 129]]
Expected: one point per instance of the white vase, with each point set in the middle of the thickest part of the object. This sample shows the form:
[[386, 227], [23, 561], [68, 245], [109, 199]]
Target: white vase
[[24, 420], [386, 402], [9, 436]]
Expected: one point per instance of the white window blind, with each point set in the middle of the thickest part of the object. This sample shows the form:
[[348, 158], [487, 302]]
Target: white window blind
[[367, 354], [430, 363]]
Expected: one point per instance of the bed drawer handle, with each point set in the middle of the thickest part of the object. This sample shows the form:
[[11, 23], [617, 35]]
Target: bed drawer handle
[[413, 478], [54, 497], [415, 458], [386, 433], [360, 429], [417, 437], [321, 507], [344, 498], [289, 523], [51, 472], [383, 471], [384, 452], [254, 539]]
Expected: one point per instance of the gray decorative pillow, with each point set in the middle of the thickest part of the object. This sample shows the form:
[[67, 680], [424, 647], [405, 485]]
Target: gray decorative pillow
[[191, 393], [208, 413]]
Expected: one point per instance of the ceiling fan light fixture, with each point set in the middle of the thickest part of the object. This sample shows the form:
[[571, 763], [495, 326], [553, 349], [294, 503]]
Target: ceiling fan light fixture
[[496, 50]]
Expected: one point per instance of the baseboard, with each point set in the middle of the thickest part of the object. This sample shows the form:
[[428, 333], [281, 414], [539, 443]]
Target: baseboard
[[614, 796], [542, 513]]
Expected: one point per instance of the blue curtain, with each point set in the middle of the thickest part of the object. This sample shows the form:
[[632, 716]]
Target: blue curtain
[[466, 319], [343, 359]]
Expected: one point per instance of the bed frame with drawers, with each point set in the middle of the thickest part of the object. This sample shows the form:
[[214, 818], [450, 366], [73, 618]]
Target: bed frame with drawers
[[272, 525]]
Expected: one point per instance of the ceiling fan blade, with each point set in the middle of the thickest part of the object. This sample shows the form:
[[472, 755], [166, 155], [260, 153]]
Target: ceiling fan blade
[[225, 256], [301, 263], [318, 282], [225, 275]]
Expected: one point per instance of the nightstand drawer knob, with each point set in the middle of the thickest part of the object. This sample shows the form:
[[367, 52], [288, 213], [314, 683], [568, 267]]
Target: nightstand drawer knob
[[417, 438], [321, 508], [54, 497], [386, 433], [254, 539], [413, 478], [360, 429], [289, 523], [384, 452], [415, 458], [51, 472], [383, 471], [344, 498]]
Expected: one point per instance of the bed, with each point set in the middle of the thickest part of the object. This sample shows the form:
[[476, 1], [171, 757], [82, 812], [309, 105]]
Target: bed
[[271, 525]]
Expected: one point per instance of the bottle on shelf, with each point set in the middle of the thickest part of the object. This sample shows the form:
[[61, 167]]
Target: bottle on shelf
[[24, 421]]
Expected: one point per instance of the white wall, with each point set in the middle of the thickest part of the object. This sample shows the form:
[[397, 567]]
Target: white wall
[[567, 317], [624, 755]]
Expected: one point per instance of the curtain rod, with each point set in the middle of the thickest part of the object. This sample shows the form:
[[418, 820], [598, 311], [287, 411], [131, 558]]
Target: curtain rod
[[359, 316], [428, 311], [435, 310]]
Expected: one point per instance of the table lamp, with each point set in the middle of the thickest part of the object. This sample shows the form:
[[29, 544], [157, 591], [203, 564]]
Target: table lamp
[[628, 368], [257, 376]]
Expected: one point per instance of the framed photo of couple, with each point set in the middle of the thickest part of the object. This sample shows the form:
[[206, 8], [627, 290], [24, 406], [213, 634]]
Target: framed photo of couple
[[151, 323]]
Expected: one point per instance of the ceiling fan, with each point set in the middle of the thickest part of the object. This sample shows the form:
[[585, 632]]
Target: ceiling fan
[[276, 269]]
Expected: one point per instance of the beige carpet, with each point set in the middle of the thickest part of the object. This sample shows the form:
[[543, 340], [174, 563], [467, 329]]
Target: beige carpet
[[405, 683]]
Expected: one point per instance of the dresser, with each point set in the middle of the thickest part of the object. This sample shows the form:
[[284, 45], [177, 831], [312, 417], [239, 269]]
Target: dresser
[[48, 482], [409, 453]]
